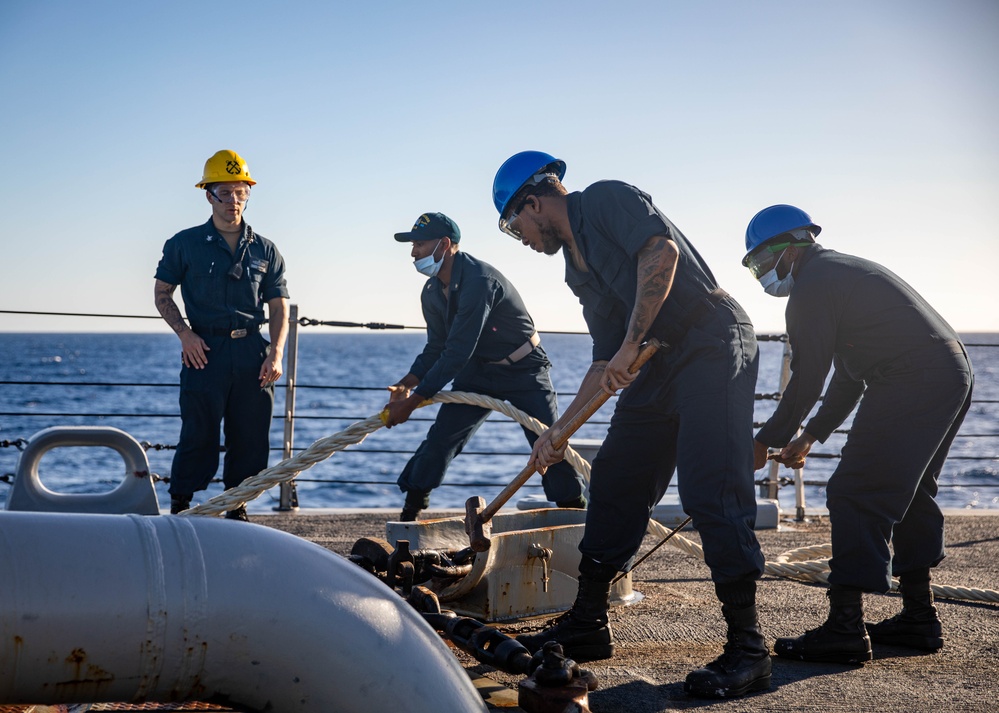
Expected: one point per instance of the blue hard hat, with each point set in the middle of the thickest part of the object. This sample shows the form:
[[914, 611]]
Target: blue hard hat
[[518, 170], [773, 221]]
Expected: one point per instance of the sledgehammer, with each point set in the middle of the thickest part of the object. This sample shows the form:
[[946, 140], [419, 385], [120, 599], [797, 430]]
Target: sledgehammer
[[478, 514]]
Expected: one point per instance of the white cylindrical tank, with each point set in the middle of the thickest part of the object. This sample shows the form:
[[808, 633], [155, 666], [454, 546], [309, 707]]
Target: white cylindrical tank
[[129, 608]]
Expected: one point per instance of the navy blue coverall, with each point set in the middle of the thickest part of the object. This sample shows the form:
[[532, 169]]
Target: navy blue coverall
[[470, 333], [910, 373], [690, 409], [228, 388]]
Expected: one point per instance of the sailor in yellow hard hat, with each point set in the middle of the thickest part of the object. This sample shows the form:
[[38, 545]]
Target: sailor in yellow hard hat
[[225, 167], [226, 272]]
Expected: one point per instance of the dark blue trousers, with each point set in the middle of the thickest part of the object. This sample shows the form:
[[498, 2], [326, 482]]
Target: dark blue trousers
[[690, 410], [226, 390], [883, 490], [528, 389]]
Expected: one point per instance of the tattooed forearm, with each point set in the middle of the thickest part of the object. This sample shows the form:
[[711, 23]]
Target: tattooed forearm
[[656, 267], [167, 308]]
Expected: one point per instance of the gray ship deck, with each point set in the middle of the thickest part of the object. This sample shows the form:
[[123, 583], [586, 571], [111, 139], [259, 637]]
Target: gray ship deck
[[678, 627]]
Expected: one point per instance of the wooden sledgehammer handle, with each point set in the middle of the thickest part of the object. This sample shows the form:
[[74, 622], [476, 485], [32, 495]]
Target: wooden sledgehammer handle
[[591, 407]]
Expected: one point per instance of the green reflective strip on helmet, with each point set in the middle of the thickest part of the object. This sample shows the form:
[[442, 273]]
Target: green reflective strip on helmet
[[762, 259]]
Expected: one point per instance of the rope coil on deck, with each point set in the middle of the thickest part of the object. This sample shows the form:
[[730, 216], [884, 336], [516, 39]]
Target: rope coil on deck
[[809, 564]]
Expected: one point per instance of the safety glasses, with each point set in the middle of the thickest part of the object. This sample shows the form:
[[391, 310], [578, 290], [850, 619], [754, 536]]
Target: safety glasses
[[229, 195], [507, 224], [763, 259]]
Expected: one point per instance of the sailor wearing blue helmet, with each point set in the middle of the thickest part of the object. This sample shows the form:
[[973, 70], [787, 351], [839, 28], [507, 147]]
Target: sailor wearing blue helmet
[[907, 368], [689, 409]]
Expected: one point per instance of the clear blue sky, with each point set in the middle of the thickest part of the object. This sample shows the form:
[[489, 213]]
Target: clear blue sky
[[877, 117]]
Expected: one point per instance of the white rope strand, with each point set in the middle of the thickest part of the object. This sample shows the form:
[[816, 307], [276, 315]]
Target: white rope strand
[[809, 564]]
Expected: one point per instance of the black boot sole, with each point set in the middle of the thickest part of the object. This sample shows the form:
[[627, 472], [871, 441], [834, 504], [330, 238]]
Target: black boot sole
[[755, 686], [854, 658], [923, 643], [582, 654]]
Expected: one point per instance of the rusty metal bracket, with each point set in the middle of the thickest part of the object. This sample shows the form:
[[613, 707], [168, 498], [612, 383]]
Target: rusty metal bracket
[[556, 684], [545, 555]]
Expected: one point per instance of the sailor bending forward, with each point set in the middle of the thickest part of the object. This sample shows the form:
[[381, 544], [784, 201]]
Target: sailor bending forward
[[689, 409], [479, 335], [899, 359]]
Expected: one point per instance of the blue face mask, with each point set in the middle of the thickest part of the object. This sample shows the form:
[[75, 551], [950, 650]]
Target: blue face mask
[[427, 265], [775, 286]]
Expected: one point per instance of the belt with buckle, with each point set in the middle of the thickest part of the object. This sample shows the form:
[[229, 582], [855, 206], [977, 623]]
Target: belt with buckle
[[222, 332], [520, 352]]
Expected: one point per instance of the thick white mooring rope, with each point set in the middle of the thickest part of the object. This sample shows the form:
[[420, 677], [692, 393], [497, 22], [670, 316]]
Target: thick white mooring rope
[[810, 564]]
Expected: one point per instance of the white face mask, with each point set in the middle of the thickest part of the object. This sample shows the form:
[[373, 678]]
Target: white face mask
[[775, 286], [427, 265]]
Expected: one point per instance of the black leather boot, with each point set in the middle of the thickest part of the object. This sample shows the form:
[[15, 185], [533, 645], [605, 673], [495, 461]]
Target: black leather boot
[[583, 631], [237, 514], [917, 626], [841, 639], [416, 501], [743, 668], [179, 503]]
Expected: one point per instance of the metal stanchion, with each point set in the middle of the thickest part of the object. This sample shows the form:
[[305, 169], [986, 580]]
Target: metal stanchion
[[771, 488], [799, 484], [288, 499]]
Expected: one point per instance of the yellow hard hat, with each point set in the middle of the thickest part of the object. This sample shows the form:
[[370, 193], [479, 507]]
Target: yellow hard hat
[[223, 167]]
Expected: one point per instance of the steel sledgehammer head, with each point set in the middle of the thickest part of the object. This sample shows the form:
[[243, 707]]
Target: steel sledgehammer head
[[478, 531]]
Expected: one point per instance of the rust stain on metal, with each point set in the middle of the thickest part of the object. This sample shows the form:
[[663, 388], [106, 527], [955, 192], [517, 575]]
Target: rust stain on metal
[[87, 680], [76, 659]]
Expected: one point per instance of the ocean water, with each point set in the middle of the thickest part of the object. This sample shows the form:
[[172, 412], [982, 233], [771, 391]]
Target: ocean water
[[129, 381]]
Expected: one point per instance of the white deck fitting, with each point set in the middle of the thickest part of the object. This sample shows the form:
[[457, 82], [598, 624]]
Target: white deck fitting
[[130, 608], [135, 494], [506, 581]]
